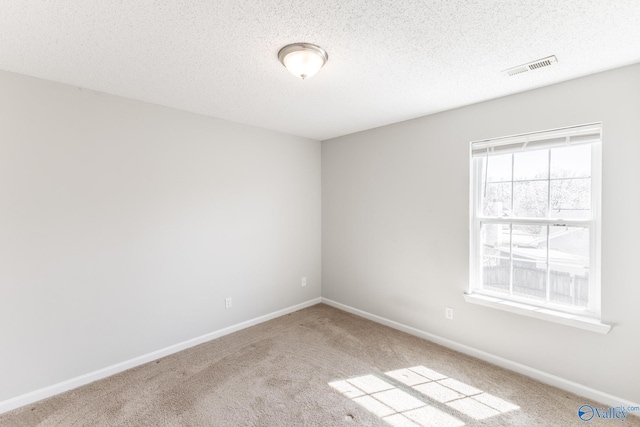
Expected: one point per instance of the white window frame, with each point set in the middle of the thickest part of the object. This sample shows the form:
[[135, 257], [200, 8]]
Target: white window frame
[[586, 318]]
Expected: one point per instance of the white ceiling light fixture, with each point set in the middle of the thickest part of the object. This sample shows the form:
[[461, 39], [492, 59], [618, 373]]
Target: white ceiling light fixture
[[303, 59]]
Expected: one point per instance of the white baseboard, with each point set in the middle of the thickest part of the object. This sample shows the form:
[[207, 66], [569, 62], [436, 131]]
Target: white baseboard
[[52, 390], [544, 377]]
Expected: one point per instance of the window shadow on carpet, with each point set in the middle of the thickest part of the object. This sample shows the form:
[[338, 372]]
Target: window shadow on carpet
[[413, 402]]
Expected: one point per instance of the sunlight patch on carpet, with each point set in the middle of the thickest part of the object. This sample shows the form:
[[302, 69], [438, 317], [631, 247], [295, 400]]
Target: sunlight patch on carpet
[[397, 407], [423, 388]]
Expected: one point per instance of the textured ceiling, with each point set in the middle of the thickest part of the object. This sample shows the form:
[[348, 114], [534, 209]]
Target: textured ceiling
[[388, 60]]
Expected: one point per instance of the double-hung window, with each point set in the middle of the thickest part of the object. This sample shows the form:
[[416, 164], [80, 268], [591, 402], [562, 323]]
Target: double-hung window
[[535, 213]]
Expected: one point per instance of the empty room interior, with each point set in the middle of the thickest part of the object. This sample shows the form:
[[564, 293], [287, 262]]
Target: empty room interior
[[286, 213]]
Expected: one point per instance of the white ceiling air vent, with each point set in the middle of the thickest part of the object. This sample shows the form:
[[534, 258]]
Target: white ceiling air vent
[[531, 66]]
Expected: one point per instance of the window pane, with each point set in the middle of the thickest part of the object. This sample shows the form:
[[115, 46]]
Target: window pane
[[530, 243], [531, 165], [567, 288], [530, 280], [530, 199], [571, 198], [529, 246], [569, 265], [496, 268], [497, 200], [495, 240], [495, 274], [571, 162], [569, 245], [499, 168]]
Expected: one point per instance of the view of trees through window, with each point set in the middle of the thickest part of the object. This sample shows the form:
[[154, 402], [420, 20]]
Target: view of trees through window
[[544, 260]]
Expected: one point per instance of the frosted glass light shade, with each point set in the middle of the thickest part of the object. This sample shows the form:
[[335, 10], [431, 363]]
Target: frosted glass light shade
[[302, 59]]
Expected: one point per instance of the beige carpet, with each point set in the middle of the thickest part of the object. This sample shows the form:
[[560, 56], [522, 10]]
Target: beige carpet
[[316, 367]]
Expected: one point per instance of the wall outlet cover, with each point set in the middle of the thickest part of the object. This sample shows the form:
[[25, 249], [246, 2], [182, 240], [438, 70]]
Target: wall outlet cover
[[448, 313]]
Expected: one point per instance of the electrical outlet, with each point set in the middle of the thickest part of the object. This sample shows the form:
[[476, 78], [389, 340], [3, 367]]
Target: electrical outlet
[[448, 313], [227, 303], [303, 282]]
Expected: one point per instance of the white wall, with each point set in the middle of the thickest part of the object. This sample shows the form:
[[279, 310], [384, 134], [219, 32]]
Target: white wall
[[395, 216], [124, 225]]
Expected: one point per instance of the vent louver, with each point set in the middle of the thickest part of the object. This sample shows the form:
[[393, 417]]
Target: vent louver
[[531, 66]]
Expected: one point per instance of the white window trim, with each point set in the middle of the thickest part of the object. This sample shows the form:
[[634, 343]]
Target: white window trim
[[585, 319], [575, 320]]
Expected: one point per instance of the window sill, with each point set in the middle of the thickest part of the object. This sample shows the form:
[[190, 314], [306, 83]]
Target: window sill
[[567, 319]]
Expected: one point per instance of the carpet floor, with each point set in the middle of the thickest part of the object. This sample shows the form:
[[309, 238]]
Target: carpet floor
[[316, 367]]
